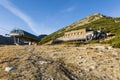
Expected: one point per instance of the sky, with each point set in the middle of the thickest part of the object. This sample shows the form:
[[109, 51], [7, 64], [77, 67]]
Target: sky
[[47, 16]]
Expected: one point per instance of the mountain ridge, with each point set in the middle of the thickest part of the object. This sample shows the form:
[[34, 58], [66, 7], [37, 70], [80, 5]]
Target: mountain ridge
[[87, 20], [95, 21]]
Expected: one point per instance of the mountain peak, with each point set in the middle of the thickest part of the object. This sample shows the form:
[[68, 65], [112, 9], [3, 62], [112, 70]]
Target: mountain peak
[[97, 15], [88, 19], [94, 17], [93, 21]]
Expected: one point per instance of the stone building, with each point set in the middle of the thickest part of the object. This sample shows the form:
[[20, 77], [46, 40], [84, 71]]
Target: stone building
[[82, 34]]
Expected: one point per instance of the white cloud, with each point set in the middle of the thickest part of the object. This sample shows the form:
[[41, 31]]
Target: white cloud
[[13, 9], [69, 9]]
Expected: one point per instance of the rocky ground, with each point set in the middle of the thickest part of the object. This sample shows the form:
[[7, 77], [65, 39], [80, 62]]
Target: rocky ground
[[61, 62]]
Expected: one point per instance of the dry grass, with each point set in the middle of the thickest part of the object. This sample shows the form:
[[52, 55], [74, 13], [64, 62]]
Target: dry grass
[[80, 62]]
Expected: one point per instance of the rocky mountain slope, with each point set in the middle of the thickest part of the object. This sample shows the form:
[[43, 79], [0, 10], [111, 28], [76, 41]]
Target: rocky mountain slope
[[90, 62], [94, 21], [87, 20]]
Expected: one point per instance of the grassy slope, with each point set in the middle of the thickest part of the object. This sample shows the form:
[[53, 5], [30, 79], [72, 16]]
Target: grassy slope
[[106, 23]]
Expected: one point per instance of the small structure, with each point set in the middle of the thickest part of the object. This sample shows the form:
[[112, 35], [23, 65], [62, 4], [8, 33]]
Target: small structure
[[82, 34], [19, 35], [6, 40]]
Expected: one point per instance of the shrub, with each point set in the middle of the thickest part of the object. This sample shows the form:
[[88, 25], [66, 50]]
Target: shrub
[[115, 42]]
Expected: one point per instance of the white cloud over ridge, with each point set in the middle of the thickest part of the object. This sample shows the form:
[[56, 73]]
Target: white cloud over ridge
[[13, 9]]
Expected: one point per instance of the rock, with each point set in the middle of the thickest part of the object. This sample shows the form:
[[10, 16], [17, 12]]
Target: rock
[[10, 68], [83, 48], [109, 47], [45, 62], [31, 49], [99, 47], [81, 57], [117, 58], [91, 68], [115, 53]]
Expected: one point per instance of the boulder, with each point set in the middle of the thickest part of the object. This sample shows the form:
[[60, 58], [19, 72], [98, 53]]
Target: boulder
[[9, 68], [99, 47], [109, 47]]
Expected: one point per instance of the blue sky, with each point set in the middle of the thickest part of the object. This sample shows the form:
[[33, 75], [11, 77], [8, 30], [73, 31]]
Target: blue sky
[[47, 16]]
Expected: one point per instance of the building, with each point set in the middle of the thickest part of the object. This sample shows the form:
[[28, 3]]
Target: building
[[6, 40], [24, 36], [82, 34]]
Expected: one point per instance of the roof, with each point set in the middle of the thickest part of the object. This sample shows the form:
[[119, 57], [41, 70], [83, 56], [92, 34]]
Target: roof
[[24, 35]]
